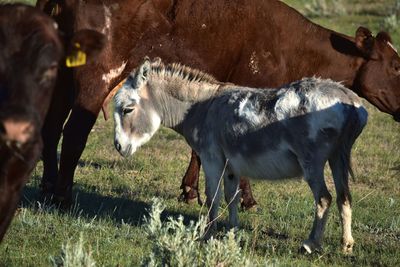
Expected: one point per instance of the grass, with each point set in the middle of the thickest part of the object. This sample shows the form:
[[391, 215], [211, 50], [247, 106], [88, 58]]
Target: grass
[[114, 194], [28, 2]]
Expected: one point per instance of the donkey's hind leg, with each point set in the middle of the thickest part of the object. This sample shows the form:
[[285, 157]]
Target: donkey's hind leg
[[314, 175], [340, 172]]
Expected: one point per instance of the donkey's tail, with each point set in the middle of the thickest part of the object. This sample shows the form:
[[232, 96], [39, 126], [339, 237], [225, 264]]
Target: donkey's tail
[[355, 123]]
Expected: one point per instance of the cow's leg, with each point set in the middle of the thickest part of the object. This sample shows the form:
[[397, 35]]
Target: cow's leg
[[340, 175], [232, 197], [247, 199], [214, 170], [190, 185], [75, 135], [58, 111], [190, 181], [76, 131], [315, 179]]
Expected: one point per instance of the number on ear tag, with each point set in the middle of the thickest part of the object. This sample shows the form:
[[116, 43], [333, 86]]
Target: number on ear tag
[[76, 58]]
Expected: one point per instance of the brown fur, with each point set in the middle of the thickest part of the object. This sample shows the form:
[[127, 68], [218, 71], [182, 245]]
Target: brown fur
[[264, 43]]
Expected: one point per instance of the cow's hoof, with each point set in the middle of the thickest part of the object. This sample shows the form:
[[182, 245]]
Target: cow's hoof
[[45, 197], [46, 192], [249, 205], [62, 202], [309, 247], [190, 196]]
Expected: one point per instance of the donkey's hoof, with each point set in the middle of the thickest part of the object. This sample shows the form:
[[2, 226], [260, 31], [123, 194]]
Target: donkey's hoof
[[347, 246], [309, 247]]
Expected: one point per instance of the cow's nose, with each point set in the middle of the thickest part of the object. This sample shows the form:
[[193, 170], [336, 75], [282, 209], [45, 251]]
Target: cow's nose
[[16, 131], [117, 146]]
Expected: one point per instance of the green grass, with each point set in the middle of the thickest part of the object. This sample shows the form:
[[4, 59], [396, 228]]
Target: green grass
[[113, 194], [28, 2]]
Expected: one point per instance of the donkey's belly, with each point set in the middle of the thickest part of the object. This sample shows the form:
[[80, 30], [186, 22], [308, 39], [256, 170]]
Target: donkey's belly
[[272, 165]]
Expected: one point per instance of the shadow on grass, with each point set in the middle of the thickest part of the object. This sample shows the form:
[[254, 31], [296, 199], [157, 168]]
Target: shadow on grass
[[92, 205]]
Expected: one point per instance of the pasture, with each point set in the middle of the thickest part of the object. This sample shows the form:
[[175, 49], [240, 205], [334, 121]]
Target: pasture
[[113, 194]]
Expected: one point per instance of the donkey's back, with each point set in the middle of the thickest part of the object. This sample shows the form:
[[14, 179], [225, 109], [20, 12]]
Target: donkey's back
[[270, 134]]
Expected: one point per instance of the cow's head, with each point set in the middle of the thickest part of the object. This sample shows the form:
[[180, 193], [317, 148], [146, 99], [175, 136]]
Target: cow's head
[[379, 77], [31, 51]]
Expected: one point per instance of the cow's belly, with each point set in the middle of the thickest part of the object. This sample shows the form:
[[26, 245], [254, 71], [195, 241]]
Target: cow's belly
[[272, 165]]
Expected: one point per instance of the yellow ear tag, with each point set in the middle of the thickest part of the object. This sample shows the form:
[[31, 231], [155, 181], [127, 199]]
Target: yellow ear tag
[[76, 58], [55, 10]]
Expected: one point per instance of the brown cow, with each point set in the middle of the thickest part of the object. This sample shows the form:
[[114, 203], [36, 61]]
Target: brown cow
[[258, 43], [30, 50]]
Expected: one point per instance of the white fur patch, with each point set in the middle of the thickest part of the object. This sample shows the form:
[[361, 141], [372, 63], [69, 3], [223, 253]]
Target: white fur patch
[[253, 64], [107, 23], [287, 104], [113, 73], [249, 112], [318, 101]]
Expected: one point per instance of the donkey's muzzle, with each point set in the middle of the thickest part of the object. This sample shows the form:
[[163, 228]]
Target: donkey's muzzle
[[124, 152]]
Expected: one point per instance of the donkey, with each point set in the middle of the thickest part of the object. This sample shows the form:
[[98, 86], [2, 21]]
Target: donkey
[[238, 131]]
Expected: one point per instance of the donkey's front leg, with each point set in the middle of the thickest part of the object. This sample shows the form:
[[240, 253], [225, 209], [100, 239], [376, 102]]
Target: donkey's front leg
[[232, 198], [214, 171], [315, 179]]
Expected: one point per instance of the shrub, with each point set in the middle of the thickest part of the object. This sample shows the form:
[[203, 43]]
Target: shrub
[[323, 8], [74, 255], [175, 244], [392, 21]]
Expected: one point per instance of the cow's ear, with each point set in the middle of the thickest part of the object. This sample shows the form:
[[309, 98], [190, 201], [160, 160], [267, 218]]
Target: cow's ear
[[365, 41], [384, 37], [84, 47]]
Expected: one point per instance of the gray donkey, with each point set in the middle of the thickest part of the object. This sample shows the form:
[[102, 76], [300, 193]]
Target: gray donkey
[[237, 131]]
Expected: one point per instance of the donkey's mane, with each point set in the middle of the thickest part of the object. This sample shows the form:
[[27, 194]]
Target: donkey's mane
[[177, 70], [197, 86]]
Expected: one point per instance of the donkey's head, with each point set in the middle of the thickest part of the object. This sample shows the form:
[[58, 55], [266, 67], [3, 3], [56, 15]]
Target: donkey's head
[[135, 116]]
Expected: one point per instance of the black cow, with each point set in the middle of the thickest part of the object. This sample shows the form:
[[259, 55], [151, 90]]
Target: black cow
[[30, 53]]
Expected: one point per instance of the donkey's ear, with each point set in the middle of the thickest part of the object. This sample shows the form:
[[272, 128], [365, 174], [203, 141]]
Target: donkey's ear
[[364, 41], [143, 72]]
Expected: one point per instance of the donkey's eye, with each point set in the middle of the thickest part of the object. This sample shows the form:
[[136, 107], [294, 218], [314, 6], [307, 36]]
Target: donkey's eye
[[127, 110]]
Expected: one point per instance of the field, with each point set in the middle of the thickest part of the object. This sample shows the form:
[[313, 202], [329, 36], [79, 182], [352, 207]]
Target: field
[[113, 194]]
